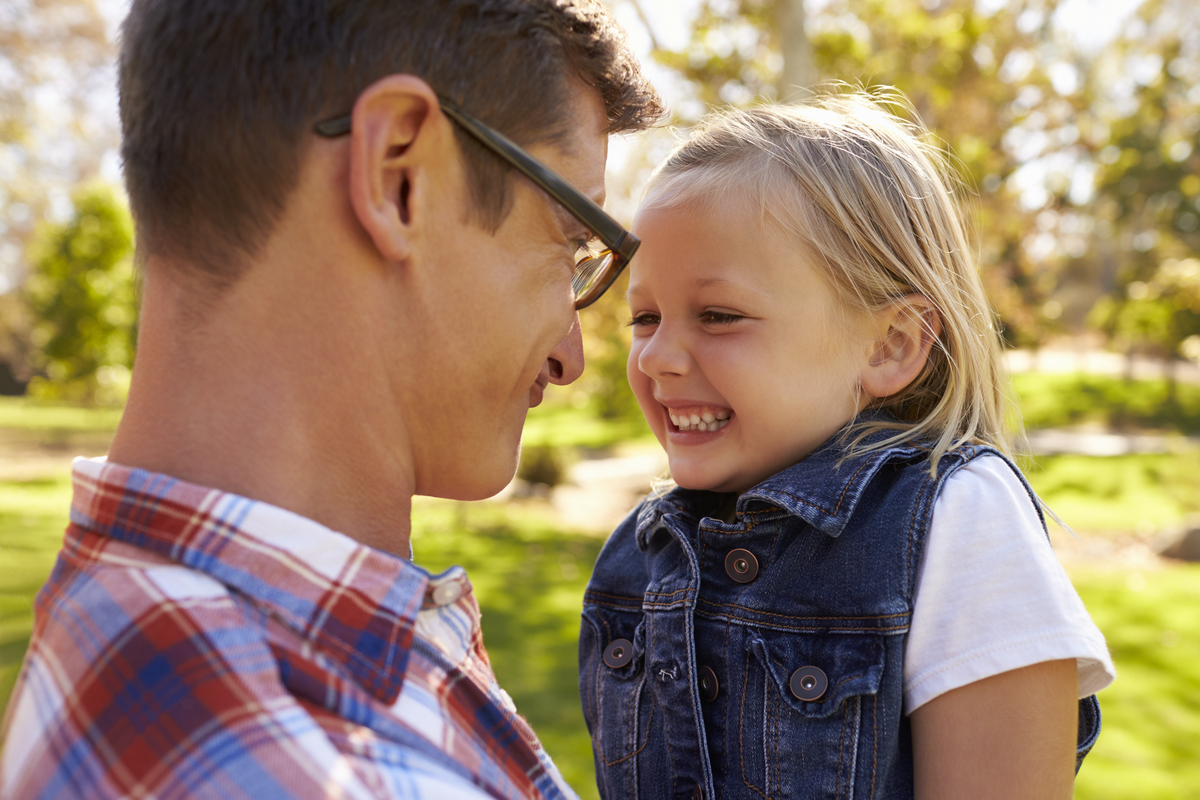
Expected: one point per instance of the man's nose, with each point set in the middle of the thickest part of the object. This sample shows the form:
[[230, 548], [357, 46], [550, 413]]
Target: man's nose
[[566, 359]]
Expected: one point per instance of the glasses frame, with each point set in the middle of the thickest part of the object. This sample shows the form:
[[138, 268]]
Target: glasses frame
[[619, 243]]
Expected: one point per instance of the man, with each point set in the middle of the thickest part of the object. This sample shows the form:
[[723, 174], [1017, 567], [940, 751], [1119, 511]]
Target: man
[[354, 290]]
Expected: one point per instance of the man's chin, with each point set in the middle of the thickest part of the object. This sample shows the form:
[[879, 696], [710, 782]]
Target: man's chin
[[536, 393]]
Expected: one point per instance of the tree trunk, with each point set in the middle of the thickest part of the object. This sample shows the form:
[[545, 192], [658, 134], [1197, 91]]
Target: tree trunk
[[799, 73]]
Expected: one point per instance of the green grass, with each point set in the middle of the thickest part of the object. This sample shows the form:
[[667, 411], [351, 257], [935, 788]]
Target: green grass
[[1149, 744], [1055, 400], [529, 576], [33, 515], [1119, 494], [24, 414]]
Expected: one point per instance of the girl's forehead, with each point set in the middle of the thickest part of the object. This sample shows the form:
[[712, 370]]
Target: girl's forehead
[[703, 245]]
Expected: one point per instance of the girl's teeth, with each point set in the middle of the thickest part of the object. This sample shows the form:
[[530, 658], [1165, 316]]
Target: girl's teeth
[[686, 424], [695, 419], [707, 417], [722, 415]]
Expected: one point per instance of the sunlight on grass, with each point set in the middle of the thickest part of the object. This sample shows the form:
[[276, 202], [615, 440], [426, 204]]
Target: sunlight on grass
[[22, 413], [1119, 493], [529, 578], [529, 574], [1148, 746], [1054, 400], [33, 515]]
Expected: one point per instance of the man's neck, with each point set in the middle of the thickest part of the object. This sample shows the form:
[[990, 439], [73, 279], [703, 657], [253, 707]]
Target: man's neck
[[248, 400]]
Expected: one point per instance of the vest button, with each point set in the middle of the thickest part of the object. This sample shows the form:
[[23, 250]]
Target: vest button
[[618, 653], [741, 565], [808, 684], [709, 686]]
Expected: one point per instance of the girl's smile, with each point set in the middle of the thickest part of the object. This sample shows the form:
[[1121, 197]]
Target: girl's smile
[[741, 361]]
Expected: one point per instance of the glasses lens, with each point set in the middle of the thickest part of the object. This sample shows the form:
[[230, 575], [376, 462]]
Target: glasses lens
[[590, 275]]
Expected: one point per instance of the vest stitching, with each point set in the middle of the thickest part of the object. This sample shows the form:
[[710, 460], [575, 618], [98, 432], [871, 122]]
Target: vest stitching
[[796, 616], [742, 723], [841, 497], [874, 741], [615, 596], [837, 791], [781, 626], [667, 594], [666, 719], [654, 703]]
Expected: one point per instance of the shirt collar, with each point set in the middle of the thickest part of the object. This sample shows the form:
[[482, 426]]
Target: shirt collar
[[356, 603]]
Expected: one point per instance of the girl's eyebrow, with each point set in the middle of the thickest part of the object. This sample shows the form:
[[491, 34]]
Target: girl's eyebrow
[[704, 283]]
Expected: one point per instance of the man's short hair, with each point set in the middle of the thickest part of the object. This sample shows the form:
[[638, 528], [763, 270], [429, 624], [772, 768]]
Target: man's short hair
[[218, 99]]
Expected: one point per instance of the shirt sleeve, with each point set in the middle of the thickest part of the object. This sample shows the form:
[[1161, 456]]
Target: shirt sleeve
[[991, 596]]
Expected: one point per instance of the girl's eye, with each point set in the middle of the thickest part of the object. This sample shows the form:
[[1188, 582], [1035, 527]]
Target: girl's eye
[[643, 319], [719, 317]]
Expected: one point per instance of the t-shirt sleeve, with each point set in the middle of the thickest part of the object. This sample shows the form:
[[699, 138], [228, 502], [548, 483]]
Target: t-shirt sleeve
[[991, 596]]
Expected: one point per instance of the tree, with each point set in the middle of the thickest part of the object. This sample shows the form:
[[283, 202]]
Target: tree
[[56, 126], [82, 296], [980, 78], [1147, 204]]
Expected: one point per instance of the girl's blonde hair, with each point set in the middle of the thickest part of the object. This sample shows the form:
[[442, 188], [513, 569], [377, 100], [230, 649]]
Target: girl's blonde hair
[[869, 198]]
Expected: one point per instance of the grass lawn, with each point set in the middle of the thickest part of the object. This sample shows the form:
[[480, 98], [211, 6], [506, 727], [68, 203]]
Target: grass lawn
[[1119, 494], [529, 576], [1149, 746], [1055, 400]]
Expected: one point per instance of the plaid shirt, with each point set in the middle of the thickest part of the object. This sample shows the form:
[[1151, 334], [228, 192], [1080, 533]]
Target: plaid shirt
[[193, 643]]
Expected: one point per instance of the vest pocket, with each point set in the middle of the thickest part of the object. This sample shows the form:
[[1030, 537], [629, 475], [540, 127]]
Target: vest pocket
[[806, 711], [618, 705]]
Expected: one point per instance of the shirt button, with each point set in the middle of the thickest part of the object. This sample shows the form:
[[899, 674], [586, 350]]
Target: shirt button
[[446, 593], [709, 686], [741, 565], [618, 653], [808, 684]]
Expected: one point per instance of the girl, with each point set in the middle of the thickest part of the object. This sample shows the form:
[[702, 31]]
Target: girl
[[850, 592]]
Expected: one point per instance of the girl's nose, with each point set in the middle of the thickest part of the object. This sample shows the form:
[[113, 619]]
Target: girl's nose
[[662, 356]]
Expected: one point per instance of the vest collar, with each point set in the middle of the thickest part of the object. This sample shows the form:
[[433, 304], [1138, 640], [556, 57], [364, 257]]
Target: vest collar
[[822, 489]]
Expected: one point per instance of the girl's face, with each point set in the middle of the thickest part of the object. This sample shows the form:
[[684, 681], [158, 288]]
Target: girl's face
[[740, 361]]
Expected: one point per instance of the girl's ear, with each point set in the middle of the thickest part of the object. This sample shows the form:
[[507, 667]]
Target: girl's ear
[[905, 331]]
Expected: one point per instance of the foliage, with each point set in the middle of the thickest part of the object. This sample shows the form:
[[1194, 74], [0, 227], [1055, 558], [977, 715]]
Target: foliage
[[1161, 314], [82, 296], [542, 464], [1055, 400], [54, 124], [978, 78]]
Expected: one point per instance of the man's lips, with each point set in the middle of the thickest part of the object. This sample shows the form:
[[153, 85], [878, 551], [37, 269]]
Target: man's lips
[[538, 390]]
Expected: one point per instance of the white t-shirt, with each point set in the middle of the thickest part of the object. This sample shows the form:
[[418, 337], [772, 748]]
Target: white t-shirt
[[991, 596]]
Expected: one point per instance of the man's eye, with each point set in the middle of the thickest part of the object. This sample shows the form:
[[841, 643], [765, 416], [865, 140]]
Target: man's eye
[[644, 319], [586, 248], [719, 317]]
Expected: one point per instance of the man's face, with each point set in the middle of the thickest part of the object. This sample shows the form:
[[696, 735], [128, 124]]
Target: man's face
[[504, 305]]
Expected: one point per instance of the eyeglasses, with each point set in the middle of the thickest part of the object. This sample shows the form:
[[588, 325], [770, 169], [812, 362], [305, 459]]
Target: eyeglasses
[[594, 271]]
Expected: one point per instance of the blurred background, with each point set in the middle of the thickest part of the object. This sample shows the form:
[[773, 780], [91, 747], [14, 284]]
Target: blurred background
[[1074, 125]]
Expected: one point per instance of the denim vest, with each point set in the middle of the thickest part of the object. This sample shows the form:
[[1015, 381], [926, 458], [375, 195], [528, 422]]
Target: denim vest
[[763, 658]]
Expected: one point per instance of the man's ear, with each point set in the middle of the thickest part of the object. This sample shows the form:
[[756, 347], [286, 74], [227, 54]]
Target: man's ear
[[394, 130], [905, 332]]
